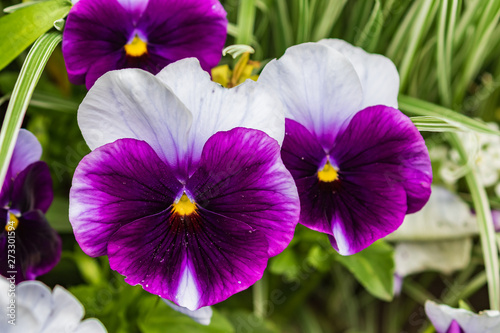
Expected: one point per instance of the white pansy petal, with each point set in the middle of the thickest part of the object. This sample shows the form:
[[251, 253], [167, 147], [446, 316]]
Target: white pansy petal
[[215, 108], [318, 86], [90, 326], [442, 315], [378, 74], [441, 256], [445, 216], [201, 316], [132, 103], [67, 311], [34, 303]]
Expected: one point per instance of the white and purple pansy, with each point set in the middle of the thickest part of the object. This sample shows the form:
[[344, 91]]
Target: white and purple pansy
[[29, 246], [450, 320], [103, 35], [359, 164], [185, 190]]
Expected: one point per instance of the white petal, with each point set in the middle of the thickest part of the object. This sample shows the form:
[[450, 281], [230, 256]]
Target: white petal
[[90, 326], [441, 256], [201, 316], [318, 86], [442, 316], [132, 103], [378, 74], [215, 108], [66, 314], [34, 304], [445, 216], [188, 295]]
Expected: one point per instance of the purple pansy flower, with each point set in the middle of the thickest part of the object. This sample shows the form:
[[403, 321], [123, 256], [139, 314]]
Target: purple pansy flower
[[359, 166], [450, 320], [26, 194], [185, 190], [103, 35]]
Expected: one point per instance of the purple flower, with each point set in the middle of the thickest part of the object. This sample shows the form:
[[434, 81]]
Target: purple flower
[[449, 320], [103, 35], [359, 166], [185, 190], [29, 246]]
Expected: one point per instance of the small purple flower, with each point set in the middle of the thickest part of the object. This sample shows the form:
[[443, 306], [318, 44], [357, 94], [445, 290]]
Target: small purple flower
[[359, 166], [185, 190], [104, 35], [450, 320], [29, 246]]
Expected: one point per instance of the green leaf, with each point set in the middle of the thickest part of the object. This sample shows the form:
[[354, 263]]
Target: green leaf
[[370, 34], [23, 90], [373, 268], [21, 28], [157, 317], [421, 108]]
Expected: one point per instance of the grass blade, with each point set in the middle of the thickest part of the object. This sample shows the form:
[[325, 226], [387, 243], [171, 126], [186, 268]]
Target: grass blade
[[23, 90], [418, 107]]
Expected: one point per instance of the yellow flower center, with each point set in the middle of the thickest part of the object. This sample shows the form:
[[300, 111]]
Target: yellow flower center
[[136, 48], [328, 173], [184, 206], [12, 224]]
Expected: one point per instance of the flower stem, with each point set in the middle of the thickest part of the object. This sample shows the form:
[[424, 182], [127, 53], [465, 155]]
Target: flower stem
[[485, 224], [246, 19], [259, 296]]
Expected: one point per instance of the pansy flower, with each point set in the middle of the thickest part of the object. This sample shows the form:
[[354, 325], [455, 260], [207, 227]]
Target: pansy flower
[[359, 164], [185, 190], [37, 309], [29, 246], [103, 35], [450, 320]]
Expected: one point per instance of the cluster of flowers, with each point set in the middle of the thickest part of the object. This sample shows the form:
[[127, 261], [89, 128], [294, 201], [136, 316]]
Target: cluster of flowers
[[192, 187]]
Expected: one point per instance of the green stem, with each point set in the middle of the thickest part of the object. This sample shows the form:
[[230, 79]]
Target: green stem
[[23, 90], [485, 224], [246, 19], [259, 290]]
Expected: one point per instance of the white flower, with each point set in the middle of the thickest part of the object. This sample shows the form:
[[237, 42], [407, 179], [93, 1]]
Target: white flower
[[38, 310]]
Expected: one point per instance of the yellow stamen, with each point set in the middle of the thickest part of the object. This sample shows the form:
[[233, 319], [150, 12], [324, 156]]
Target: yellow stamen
[[184, 206], [12, 224], [328, 173], [136, 48]]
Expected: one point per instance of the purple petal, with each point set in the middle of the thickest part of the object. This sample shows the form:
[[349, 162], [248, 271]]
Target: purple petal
[[241, 176], [303, 155], [96, 32], [455, 328], [94, 29], [26, 151], [194, 261], [189, 28], [383, 141], [32, 189], [37, 247], [114, 185], [384, 172]]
